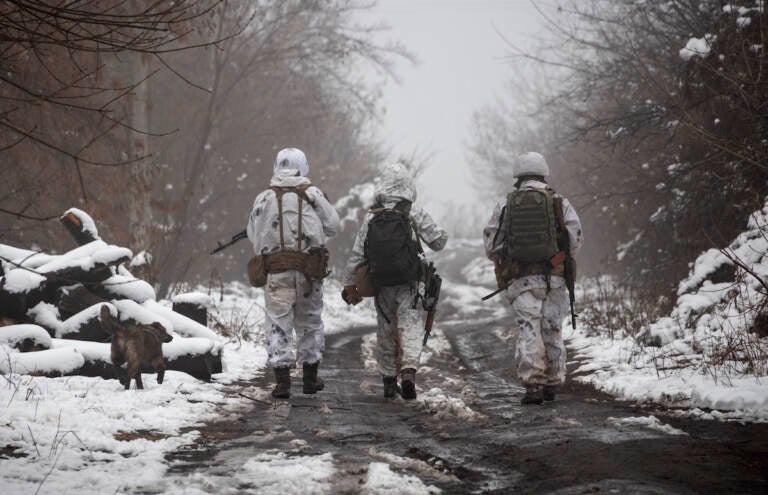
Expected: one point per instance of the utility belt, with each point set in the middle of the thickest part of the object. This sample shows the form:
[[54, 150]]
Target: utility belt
[[314, 265], [509, 270]]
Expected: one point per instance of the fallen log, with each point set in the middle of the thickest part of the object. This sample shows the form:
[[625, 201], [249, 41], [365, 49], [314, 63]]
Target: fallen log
[[23, 288], [193, 305], [80, 225], [195, 357], [25, 337], [73, 299]]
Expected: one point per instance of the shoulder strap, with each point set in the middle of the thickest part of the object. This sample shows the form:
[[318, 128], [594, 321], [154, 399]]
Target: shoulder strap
[[301, 192]]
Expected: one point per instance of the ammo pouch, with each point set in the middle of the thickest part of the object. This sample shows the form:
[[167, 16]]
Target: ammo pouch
[[363, 281], [509, 270], [314, 265], [257, 271]]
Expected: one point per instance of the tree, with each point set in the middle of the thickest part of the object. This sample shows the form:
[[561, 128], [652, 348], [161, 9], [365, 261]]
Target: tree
[[655, 121]]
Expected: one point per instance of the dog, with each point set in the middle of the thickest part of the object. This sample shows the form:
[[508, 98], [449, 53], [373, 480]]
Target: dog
[[136, 345]]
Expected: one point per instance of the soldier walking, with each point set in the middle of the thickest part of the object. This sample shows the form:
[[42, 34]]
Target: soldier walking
[[389, 244], [289, 225], [532, 238]]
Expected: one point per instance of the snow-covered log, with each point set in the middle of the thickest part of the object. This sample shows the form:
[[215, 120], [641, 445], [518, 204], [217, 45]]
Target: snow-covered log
[[85, 325], [193, 305], [24, 287], [181, 324], [74, 299], [51, 362], [80, 225], [196, 357], [25, 337]]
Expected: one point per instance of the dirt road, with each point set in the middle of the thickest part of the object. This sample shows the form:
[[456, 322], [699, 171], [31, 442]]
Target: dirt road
[[468, 434]]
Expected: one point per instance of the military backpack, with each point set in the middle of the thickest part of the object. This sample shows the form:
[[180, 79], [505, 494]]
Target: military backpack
[[530, 226], [391, 248]]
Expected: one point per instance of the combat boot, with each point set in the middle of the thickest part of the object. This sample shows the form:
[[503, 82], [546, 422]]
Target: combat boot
[[533, 395], [282, 388], [390, 387], [408, 384], [549, 392], [312, 384]]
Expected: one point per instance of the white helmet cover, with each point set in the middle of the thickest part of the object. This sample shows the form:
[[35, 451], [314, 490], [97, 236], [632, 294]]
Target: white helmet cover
[[531, 163], [294, 159], [396, 181]]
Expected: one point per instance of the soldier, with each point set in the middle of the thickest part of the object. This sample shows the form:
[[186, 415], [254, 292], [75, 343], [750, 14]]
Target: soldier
[[389, 243], [532, 238], [289, 225]]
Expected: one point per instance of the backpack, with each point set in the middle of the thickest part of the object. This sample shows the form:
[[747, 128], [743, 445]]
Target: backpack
[[390, 248], [530, 226]]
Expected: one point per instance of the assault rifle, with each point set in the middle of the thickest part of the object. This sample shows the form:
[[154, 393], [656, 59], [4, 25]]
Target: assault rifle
[[235, 238], [569, 265], [432, 284]]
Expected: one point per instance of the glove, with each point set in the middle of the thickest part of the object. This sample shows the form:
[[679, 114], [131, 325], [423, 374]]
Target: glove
[[350, 295]]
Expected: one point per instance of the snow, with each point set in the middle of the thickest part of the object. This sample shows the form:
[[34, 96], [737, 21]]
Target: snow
[[54, 361], [280, 473], [91, 351], [74, 426], [13, 334], [141, 259], [85, 257], [47, 315], [181, 324], [196, 298], [700, 356], [88, 224], [20, 281], [12, 257], [130, 287], [443, 406], [650, 422], [131, 310], [697, 47], [382, 480]]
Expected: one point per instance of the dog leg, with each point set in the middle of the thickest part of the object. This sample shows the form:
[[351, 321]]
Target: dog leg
[[133, 372]]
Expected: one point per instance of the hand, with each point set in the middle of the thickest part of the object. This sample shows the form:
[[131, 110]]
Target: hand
[[350, 295]]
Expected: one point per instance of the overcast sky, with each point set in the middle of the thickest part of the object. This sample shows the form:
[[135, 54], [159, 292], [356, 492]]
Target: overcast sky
[[461, 68]]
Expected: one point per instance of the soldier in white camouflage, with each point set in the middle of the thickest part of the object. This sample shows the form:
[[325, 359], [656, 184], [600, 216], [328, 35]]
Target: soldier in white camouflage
[[400, 319], [292, 300], [536, 291]]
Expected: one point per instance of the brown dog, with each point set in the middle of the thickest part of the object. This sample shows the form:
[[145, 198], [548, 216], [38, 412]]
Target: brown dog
[[137, 345]]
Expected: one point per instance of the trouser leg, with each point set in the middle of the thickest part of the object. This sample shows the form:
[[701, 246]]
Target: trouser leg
[[529, 353], [310, 331], [387, 334], [555, 308], [411, 326], [279, 300]]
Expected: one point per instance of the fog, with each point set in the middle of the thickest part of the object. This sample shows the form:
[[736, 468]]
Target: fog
[[462, 65]]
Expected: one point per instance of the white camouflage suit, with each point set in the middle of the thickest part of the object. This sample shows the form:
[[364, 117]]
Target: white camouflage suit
[[291, 301], [538, 314], [399, 340]]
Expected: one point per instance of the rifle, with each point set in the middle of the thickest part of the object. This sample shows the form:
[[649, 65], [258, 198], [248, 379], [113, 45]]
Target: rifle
[[569, 266], [432, 284], [235, 238]]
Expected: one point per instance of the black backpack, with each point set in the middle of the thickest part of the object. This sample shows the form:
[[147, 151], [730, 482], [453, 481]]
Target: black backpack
[[390, 247]]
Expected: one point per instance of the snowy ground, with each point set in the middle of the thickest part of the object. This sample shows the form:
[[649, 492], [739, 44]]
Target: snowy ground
[[88, 435]]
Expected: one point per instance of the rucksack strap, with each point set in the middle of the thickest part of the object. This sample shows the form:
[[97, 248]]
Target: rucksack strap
[[301, 192]]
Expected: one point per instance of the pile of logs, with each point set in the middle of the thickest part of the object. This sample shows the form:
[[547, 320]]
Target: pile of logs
[[50, 310]]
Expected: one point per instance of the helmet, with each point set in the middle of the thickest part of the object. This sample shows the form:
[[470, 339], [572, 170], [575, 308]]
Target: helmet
[[294, 159], [531, 163]]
